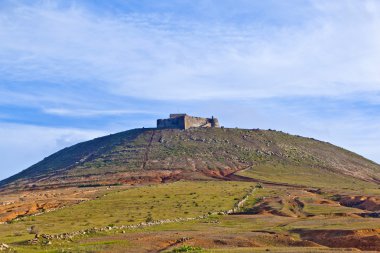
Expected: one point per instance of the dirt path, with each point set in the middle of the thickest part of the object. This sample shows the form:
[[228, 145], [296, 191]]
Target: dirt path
[[234, 177], [146, 155]]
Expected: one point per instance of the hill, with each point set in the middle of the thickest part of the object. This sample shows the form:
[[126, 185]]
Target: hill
[[195, 190], [152, 155]]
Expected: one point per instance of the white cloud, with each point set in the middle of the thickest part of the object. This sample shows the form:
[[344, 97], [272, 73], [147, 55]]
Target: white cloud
[[39, 97], [357, 134], [333, 53], [90, 113], [23, 145]]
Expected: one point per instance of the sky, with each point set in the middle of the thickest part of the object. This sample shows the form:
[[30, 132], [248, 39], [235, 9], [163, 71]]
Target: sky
[[73, 70]]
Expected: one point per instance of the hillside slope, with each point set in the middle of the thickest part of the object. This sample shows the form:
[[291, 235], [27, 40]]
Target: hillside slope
[[143, 155]]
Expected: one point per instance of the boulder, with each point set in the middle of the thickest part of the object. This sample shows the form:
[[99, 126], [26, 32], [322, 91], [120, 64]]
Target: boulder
[[4, 247]]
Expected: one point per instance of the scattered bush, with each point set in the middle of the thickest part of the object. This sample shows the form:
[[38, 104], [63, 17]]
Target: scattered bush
[[149, 218], [187, 248], [33, 230]]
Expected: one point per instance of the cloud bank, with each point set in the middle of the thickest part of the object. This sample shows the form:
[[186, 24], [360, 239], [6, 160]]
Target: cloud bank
[[333, 52], [23, 145]]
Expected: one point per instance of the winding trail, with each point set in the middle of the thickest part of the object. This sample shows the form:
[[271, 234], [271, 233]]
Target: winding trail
[[234, 177], [146, 155]]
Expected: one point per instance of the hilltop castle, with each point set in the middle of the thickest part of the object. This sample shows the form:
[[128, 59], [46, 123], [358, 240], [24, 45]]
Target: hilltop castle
[[184, 121]]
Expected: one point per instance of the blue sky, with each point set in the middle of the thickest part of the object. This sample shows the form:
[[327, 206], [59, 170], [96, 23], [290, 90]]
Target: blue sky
[[74, 70]]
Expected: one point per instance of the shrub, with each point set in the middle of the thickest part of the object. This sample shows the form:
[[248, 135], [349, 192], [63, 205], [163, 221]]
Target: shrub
[[149, 218], [187, 248], [33, 230]]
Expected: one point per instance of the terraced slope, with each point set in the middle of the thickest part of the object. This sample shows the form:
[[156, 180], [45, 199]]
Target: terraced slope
[[146, 155]]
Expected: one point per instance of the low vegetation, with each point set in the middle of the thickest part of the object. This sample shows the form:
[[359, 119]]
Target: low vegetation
[[186, 248], [309, 177], [132, 206]]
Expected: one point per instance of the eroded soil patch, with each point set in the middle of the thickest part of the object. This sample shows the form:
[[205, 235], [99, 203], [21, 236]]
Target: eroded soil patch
[[365, 239]]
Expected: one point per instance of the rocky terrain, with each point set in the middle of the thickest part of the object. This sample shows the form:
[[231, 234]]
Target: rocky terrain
[[23, 203]]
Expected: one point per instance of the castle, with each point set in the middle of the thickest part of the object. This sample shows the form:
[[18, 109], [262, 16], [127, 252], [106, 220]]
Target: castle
[[184, 121]]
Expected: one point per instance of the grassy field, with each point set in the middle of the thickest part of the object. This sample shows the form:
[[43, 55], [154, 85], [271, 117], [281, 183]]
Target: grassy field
[[132, 206], [233, 228], [280, 250], [285, 210], [186, 199], [309, 176]]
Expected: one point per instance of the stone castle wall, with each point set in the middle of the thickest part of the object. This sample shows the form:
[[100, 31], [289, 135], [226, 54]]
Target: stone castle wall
[[197, 122], [183, 121], [171, 123]]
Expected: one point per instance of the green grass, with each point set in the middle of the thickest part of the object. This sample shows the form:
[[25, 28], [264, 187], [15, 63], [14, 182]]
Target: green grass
[[187, 248], [132, 206], [258, 196], [105, 245], [322, 209], [277, 249], [308, 176], [115, 242], [345, 223]]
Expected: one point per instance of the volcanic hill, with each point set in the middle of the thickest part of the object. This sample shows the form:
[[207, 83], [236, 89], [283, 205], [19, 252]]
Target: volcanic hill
[[160, 155]]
